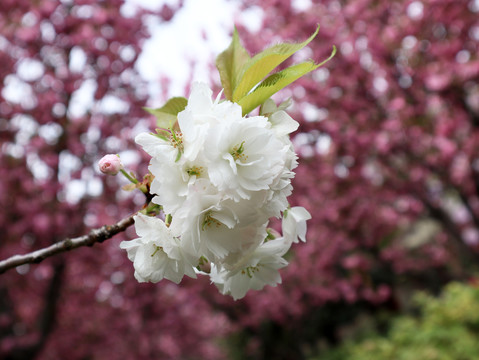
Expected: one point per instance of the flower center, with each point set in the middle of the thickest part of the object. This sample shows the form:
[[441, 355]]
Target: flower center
[[209, 220], [250, 270], [195, 170], [176, 140], [238, 152], [157, 248]]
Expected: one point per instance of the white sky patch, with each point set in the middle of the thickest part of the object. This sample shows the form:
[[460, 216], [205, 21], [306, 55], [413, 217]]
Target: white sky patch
[[18, 92], [301, 5], [82, 98], [346, 48], [30, 70], [409, 42], [77, 59], [130, 5], [26, 127], [323, 144], [312, 113], [380, 84], [94, 187], [111, 104], [302, 144], [463, 56], [415, 10], [50, 132], [68, 164], [39, 169], [74, 191], [129, 157], [15, 150], [127, 53], [251, 18], [341, 171], [366, 60], [321, 74], [198, 32], [84, 11], [89, 184], [473, 33], [474, 5], [361, 43]]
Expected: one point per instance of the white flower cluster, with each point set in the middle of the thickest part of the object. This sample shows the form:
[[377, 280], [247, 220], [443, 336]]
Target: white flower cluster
[[221, 177]]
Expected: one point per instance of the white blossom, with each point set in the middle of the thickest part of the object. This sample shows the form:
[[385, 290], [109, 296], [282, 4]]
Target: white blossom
[[294, 223], [155, 146], [215, 227], [245, 156], [253, 271], [174, 180], [157, 254], [283, 124], [200, 115], [220, 176]]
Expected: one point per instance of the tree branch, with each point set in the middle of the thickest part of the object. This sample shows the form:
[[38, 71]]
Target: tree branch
[[97, 235]]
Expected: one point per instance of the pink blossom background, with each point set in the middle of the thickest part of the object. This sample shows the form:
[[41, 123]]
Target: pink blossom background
[[389, 169]]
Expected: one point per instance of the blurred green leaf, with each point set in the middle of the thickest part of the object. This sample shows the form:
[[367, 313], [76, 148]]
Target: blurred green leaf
[[166, 115], [447, 329], [263, 63], [277, 81], [230, 64]]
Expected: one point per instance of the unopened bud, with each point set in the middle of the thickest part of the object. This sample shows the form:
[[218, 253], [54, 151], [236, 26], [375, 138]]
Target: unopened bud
[[110, 164]]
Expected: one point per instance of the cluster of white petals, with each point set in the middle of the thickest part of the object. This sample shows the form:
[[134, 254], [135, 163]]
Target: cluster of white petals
[[220, 177]]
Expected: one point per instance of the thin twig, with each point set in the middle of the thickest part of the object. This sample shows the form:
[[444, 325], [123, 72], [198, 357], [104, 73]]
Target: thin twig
[[95, 236]]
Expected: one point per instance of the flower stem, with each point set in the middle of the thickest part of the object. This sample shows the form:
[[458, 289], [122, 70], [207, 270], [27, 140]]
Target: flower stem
[[132, 179]]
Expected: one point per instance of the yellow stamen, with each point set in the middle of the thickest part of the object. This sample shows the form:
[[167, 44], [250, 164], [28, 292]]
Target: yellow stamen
[[238, 152]]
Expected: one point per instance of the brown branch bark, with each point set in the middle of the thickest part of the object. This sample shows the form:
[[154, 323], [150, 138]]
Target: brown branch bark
[[95, 236]]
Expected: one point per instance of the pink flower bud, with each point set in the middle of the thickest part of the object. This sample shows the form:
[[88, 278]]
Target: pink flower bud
[[110, 164]]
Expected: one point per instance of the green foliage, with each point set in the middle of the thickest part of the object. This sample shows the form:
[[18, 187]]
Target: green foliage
[[230, 64], [240, 73], [243, 77], [447, 329], [277, 81], [166, 115], [263, 63]]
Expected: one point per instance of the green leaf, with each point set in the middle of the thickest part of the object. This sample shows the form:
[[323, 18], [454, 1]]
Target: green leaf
[[277, 81], [166, 115], [230, 64], [263, 63]]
